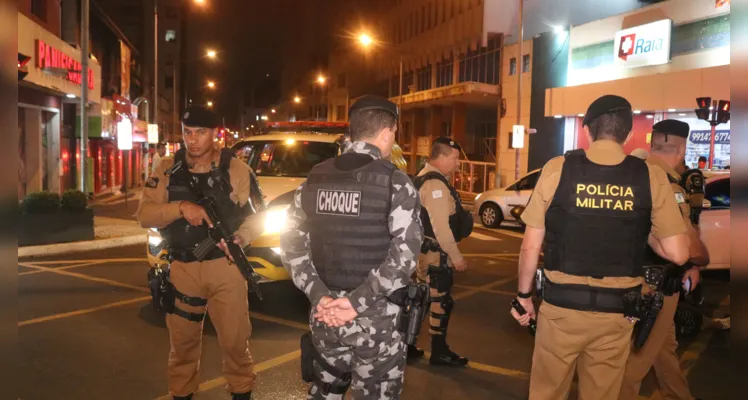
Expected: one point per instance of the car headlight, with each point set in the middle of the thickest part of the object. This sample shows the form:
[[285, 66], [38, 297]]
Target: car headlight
[[155, 240], [275, 219]]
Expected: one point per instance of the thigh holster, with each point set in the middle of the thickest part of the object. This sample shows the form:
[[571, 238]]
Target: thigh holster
[[441, 276], [310, 355], [173, 294]]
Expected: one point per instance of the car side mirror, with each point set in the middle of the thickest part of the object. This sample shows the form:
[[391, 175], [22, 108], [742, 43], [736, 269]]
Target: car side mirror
[[706, 204]]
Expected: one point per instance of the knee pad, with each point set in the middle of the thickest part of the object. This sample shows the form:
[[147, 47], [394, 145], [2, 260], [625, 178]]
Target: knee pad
[[446, 302]]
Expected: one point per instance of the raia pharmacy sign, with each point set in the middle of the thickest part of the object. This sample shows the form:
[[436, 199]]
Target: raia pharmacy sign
[[643, 45]]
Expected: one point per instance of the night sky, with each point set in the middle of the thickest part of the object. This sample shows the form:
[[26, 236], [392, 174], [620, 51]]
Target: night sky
[[248, 36]]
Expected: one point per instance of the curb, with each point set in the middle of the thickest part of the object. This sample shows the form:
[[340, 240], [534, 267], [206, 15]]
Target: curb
[[76, 247]]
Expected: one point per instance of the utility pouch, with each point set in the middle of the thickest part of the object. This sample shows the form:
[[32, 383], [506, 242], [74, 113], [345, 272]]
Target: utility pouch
[[307, 357], [650, 306], [440, 277]]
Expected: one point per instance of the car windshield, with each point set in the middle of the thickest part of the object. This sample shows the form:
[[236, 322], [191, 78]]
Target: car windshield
[[286, 158]]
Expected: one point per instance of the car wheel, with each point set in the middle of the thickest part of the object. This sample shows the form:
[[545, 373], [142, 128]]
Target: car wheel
[[491, 216]]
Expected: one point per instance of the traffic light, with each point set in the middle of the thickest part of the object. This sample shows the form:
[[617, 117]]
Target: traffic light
[[723, 111], [703, 111], [23, 69]]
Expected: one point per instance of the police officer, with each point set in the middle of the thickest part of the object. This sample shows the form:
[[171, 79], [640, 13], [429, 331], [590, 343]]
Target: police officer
[[594, 212], [668, 152], [445, 223], [353, 240], [212, 284]]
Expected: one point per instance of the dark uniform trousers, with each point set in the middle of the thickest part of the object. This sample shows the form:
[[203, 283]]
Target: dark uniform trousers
[[370, 347], [658, 352], [223, 285]]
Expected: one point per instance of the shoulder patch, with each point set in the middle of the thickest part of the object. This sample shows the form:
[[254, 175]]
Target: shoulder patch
[[679, 198], [152, 183], [437, 194]]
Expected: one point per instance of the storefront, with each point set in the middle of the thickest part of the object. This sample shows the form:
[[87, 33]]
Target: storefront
[[660, 58], [47, 109]]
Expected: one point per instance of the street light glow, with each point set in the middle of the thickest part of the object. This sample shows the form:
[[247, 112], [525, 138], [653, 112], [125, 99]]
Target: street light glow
[[211, 53], [211, 84], [201, 2], [365, 39], [210, 104], [297, 99], [321, 80], [273, 111]]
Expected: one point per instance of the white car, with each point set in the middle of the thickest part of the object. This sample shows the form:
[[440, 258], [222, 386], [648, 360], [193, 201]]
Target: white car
[[715, 220], [494, 206]]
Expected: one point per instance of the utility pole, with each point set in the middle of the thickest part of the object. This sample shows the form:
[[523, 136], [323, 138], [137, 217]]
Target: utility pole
[[520, 64], [84, 95], [155, 62]]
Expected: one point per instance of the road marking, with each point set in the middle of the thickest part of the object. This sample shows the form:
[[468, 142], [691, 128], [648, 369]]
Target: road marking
[[500, 292], [39, 271], [280, 321], [87, 277], [478, 289], [263, 366], [82, 311], [487, 368], [480, 236], [85, 261]]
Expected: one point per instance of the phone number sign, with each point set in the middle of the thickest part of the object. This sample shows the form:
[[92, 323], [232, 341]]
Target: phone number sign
[[705, 137]]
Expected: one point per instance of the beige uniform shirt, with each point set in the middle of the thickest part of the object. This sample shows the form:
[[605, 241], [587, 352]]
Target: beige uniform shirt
[[437, 200], [155, 211], [666, 217]]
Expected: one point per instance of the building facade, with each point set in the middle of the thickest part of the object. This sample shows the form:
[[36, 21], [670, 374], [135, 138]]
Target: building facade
[[661, 58], [47, 98], [49, 101]]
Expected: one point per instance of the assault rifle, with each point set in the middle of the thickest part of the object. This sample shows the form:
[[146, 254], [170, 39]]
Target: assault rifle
[[221, 231]]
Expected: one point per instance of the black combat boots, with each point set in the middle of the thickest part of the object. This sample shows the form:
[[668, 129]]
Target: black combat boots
[[442, 355], [414, 352], [241, 396]]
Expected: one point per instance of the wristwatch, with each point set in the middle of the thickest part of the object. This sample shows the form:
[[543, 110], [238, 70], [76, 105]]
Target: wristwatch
[[524, 295]]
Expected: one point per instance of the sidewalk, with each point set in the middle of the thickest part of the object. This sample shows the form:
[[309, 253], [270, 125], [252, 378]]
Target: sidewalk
[[114, 226]]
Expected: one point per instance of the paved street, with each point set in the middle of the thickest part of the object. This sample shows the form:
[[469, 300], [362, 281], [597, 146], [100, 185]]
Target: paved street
[[86, 331]]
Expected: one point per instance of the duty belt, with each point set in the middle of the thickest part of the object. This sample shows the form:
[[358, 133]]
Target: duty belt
[[430, 245], [666, 279], [586, 298], [186, 255]]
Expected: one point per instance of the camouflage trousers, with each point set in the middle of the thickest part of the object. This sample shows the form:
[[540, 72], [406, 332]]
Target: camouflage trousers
[[369, 347]]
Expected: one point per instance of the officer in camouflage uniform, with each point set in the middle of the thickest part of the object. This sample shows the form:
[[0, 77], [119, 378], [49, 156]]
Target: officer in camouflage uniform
[[354, 238]]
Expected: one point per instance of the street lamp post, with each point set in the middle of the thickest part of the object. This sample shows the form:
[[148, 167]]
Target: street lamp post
[[520, 65], [84, 94]]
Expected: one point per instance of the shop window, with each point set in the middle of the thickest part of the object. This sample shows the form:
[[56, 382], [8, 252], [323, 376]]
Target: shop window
[[39, 9], [512, 66], [171, 36], [430, 16], [340, 113], [423, 19], [525, 63], [424, 78], [444, 72]]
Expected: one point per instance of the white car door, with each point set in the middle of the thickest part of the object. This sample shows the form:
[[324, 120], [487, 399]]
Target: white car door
[[519, 193], [715, 223]]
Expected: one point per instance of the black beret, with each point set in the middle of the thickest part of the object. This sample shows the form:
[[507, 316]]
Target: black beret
[[371, 102], [672, 127], [604, 105], [200, 116], [448, 142]]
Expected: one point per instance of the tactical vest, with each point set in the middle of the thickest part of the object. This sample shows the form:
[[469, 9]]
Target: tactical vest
[[347, 203], [599, 220], [460, 223], [180, 234]]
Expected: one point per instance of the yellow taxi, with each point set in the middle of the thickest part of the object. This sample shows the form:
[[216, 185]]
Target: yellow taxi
[[280, 160]]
